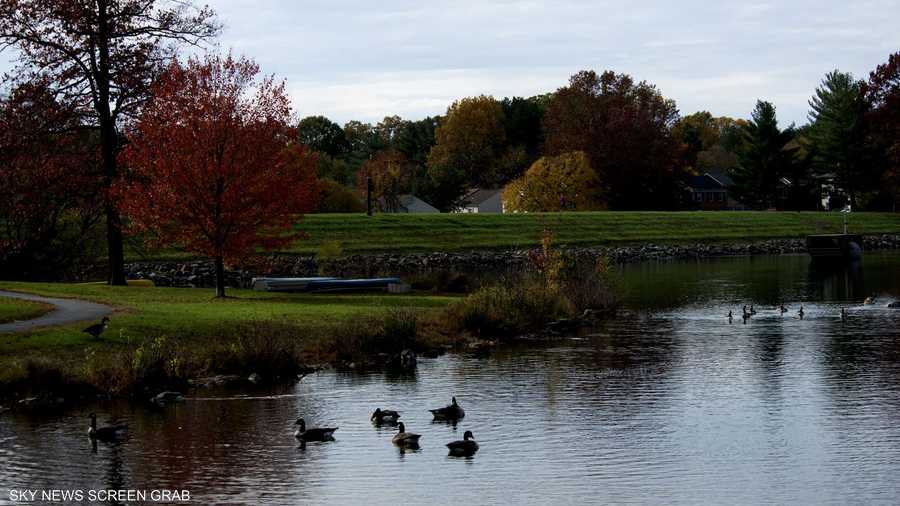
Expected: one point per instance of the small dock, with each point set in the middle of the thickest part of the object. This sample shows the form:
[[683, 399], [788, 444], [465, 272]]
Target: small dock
[[834, 247]]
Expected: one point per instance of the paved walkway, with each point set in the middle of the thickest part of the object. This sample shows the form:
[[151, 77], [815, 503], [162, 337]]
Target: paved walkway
[[67, 311]]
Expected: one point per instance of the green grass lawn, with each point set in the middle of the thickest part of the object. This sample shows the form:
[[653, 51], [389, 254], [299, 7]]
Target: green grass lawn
[[398, 233], [15, 309], [187, 313]]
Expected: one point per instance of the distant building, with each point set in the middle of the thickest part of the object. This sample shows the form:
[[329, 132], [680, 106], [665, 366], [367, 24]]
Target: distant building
[[710, 191], [407, 203], [482, 200]]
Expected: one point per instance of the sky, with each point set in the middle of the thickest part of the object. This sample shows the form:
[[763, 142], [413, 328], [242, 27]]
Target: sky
[[365, 60]]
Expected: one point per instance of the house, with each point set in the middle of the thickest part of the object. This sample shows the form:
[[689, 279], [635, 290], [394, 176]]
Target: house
[[407, 203], [480, 200], [710, 191]]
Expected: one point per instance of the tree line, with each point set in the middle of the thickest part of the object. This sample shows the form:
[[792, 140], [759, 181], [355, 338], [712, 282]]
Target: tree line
[[108, 136], [605, 141]]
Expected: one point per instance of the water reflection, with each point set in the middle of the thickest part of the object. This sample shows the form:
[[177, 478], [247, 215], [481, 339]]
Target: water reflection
[[668, 401]]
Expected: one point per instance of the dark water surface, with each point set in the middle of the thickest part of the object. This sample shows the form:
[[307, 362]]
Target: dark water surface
[[668, 404]]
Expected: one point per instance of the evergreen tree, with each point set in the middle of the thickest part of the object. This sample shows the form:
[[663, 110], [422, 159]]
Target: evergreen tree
[[836, 135], [765, 159]]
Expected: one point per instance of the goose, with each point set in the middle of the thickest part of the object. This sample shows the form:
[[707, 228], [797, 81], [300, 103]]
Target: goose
[[451, 412], [745, 315], [316, 434], [97, 328], [108, 434], [752, 311], [730, 316], [801, 312], [384, 416], [782, 309], [467, 446], [405, 439], [843, 313]]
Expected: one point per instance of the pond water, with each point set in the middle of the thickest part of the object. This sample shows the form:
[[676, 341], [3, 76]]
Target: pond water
[[667, 404]]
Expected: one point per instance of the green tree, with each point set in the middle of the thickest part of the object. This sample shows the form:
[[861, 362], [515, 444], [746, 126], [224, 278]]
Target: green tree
[[765, 158], [837, 137], [322, 135], [523, 118], [566, 182]]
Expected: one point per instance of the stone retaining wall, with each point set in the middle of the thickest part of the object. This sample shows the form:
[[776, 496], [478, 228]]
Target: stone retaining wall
[[202, 273]]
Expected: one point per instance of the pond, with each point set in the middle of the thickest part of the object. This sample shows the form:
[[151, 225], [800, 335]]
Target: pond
[[668, 403]]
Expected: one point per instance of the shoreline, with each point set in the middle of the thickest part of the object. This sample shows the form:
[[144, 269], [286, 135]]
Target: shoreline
[[200, 273]]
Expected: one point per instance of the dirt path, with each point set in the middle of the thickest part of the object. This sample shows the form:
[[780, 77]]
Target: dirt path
[[66, 311]]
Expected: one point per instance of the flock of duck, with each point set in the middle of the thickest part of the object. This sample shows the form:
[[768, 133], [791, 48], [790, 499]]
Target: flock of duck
[[749, 312], [405, 440]]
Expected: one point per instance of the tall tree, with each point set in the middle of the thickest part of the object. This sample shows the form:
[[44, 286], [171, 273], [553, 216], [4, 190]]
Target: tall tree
[[48, 186], [765, 159], [837, 137], [322, 135], [101, 55], [696, 132], [882, 93], [214, 164], [523, 119], [469, 150], [625, 129]]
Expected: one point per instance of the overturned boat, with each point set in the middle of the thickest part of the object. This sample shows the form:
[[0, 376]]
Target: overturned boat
[[324, 284]]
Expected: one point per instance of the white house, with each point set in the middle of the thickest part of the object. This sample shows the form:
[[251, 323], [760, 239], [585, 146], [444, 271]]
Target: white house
[[482, 200]]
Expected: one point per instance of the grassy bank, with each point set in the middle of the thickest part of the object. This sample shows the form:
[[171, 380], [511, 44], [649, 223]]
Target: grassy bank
[[162, 336], [398, 233], [15, 309]]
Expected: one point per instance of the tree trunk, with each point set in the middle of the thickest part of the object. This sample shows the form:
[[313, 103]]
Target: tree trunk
[[109, 144], [220, 277]]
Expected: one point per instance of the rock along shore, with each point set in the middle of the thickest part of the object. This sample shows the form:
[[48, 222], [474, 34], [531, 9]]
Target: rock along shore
[[201, 273]]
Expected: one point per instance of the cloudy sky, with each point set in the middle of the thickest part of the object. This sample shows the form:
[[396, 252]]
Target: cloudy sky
[[368, 59]]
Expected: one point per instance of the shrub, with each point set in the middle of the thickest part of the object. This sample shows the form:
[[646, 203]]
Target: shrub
[[516, 306], [391, 332]]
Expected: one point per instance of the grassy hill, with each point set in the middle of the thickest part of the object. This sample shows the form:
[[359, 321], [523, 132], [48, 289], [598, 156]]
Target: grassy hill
[[400, 233]]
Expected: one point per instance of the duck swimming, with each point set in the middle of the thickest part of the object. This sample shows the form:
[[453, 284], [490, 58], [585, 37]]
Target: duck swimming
[[109, 434], [466, 447], [384, 416], [315, 434], [452, 412], [405, 439]]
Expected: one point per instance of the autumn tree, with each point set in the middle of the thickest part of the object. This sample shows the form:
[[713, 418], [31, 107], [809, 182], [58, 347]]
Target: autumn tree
[[391, 175], [766, 158], [48, 186], [470, 149], [882, 94], [566, 182], [837, 135], [624, 128], [214, 164], [101, 56]]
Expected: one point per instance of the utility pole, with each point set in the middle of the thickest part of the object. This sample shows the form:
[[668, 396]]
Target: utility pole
[[369, 195]]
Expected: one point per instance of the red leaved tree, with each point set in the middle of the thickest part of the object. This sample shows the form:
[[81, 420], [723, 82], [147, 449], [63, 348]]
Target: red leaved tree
[[212, 166]]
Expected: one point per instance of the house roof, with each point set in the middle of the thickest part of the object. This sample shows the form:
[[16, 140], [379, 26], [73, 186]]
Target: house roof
[[721, 177], [478, 195], [704, 182]]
